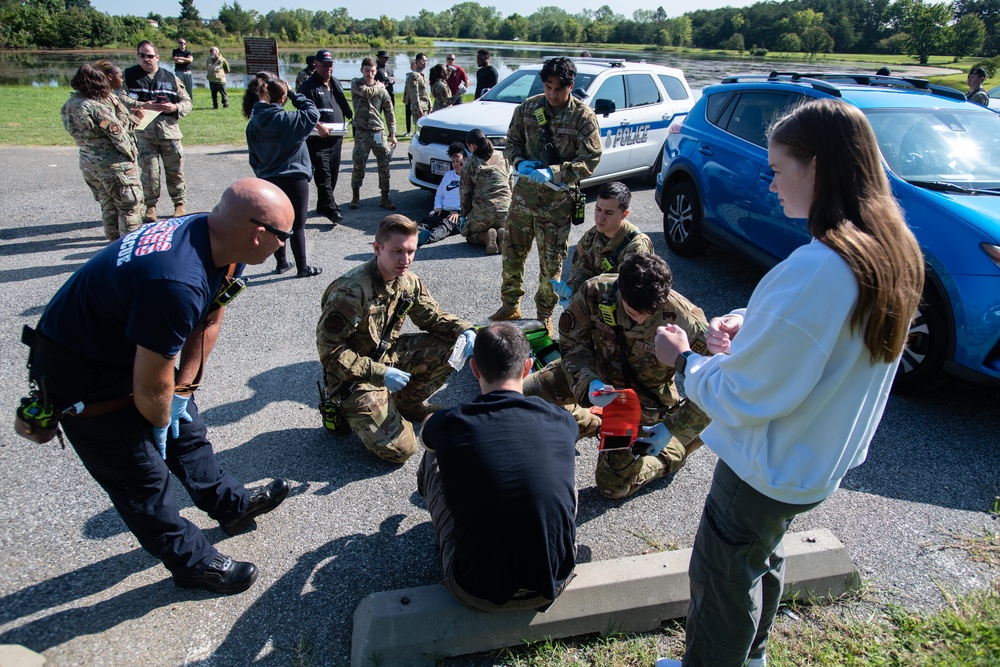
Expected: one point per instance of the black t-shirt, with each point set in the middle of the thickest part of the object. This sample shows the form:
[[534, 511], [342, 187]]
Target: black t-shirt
[[382, 74], [507, 472], [486, 78], [181, 67]]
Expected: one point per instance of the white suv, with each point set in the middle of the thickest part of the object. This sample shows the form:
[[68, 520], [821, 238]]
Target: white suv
[[635, 104]]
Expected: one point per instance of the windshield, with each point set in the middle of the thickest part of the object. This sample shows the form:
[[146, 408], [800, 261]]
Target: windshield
[[522, 84], [940, 146]]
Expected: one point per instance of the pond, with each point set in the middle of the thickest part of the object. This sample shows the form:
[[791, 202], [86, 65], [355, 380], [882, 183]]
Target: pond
[[56, 68]]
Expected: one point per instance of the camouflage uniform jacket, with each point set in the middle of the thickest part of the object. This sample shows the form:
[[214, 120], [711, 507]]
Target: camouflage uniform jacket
[[590, 349], [102, 130], [417, 92], [370, 102], [356, 308], [442, 95], [485, 182], [575, 132], [594, 248]]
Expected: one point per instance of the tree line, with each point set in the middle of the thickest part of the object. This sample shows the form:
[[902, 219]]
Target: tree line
[[910, 27]]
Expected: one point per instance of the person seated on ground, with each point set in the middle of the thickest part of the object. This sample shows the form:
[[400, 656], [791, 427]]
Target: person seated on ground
[[485, 194], [379, 378], [443, 220], [606, 340], [440, 92], [503, 508], [604, 246]]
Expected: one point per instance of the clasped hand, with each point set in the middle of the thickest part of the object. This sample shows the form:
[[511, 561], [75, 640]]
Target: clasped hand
[[395, 379]]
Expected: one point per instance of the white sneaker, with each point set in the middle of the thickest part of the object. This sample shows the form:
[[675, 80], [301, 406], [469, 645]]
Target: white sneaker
[[668, 662]]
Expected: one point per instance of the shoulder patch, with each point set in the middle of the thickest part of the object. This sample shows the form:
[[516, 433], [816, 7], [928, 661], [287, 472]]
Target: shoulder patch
[[699, 346], [335, 323], [566, 321]]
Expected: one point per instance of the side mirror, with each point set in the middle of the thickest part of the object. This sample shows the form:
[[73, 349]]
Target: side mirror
[[604, 107]]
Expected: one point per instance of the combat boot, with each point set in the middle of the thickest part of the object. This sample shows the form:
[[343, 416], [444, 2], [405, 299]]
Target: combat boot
[[385, 203], [150, 215], [179, 210], [502, 238], [491, 242], [545, 317], [508, 311], [356, 200]]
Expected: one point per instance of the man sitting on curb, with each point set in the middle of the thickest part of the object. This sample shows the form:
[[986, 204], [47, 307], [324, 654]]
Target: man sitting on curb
[[503, 508], [367, 364], [443, 221]]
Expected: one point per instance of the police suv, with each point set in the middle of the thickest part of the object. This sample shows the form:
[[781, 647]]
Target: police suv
[[635, 103]]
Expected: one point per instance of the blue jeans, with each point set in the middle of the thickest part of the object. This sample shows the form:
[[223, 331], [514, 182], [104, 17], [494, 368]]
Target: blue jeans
[[737, 572]]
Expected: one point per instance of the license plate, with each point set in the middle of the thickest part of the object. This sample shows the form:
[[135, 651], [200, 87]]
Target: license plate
[[440, 167]]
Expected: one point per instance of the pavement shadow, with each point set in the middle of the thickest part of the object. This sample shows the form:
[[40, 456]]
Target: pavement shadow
[[308, 612], [33, 272], [285, 383], [29, 231], [66, 589]]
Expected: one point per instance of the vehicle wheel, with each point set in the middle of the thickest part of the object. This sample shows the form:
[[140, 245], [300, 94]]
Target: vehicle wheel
[[682, 220], [921, 367]]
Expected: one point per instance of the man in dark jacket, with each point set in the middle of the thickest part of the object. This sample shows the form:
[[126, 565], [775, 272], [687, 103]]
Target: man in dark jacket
[[324, 148]]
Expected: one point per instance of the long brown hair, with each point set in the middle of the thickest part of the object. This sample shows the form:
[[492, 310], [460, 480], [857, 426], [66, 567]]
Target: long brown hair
[[266, 88], [854, 213]]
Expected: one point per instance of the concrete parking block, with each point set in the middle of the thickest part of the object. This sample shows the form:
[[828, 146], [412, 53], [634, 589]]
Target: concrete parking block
[[413, 627]]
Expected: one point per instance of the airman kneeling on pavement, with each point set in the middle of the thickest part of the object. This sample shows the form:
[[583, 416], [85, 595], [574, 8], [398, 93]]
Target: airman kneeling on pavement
[[378, 379], [606, 339]]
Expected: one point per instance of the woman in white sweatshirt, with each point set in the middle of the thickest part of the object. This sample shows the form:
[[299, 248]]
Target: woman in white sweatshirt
[[798, 379]]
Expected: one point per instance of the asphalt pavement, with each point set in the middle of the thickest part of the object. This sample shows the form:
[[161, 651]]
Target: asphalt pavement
[[75, 586]]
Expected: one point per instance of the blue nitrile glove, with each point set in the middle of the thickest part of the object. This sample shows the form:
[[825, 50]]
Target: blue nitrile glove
[[178, 412], [561, 288], [540, 176], [527, 167], [657, 438], [469, 336], [160, 440], [601, 400], [395, 379], [461, 224]]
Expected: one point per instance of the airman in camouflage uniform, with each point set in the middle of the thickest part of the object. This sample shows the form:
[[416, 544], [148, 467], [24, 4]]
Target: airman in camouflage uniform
[[356, 309], [485, 197], [539, 213], [371, 101], [160, 141], [417, 92], [102, 129], [590, 351], [597, 252]]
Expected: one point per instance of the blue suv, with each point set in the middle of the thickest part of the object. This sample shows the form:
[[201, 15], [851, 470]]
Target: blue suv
[[942, 157]]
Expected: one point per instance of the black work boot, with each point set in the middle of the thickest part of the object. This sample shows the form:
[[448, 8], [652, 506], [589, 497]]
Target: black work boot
[[223, 575]]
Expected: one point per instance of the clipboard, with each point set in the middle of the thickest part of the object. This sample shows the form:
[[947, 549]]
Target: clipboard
[[335, 129], [148, 117]]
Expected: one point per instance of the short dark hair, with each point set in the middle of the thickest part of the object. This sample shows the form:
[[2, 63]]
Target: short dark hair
[[484, 52], [978, 71], [419, 56], [562, 68], [500, 352], [883, 71], [310, 60], [368, 62], [455, 148], [616, 190], [92, 82], [394, 224], [644, 281], [146, 42], [483, 147]]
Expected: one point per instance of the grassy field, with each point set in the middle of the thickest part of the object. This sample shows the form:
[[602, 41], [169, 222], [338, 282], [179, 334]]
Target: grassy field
[[29, 116]]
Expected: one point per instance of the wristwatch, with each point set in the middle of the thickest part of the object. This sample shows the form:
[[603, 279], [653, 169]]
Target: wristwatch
[[682, 361]]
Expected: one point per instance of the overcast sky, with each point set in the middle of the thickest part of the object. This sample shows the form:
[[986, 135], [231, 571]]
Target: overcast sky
[[398, 9]]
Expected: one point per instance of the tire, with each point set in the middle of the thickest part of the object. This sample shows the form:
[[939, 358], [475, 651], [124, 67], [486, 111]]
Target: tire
[[922, 365], [682, 220]]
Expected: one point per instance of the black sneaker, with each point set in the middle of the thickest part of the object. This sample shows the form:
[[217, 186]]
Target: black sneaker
[[263, 499], [223, 575]]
